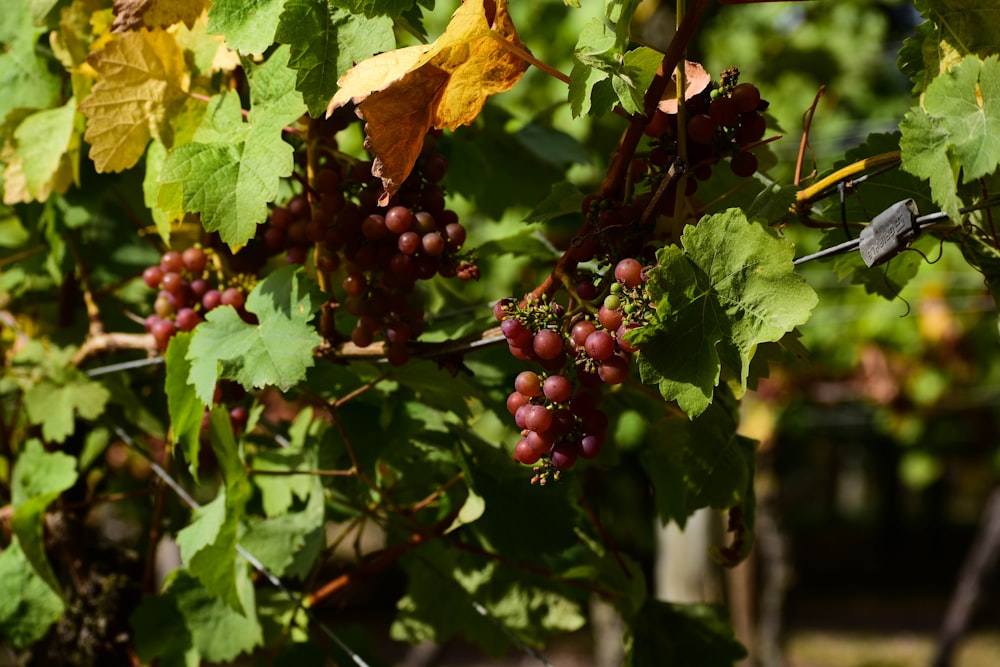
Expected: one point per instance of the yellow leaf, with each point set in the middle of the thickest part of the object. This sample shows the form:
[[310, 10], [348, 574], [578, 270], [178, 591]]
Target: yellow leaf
[[403, 93], [141, 82], [209, 52]]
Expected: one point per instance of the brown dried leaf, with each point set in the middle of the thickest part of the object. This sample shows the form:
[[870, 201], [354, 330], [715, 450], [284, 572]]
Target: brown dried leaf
[[136, 14], [696, 79], [403, 93]]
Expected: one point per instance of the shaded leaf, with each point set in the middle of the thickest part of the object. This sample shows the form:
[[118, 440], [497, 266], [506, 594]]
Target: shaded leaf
[[183, 404], [28, 605], [39, 478], [681, 634]]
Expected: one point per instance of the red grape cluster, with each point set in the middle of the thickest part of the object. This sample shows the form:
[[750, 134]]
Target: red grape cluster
[[722, 121], [187, 292], [375, 254], [557, 408]]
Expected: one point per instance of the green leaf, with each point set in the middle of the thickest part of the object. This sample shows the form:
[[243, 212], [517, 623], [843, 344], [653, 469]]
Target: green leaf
[[58, 392], [630, 84], [28, 605], [704, 463], [445, 586], [730, 288], [43, 140], [183, 405], [276, 351], [564, 198], [326, 42], [370, 8], [289, 545], [247, 25], [25, 77], [208, 544], [156, 155], [232, 169], [39, 478], [956, 130], [187, 626], [620, 13], [681, 634]]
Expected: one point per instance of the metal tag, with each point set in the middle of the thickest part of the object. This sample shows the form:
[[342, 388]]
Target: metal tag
[[891, 232]]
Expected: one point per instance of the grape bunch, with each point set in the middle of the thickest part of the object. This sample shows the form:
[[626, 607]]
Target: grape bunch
[[557, 408], [725, 121], [374, 254], [187, 292]]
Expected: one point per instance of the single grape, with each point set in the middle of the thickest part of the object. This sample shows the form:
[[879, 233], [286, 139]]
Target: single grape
[[433, 244], [586, 289], [199, 287], [238, 417], [327, 181], [194, 260], [435, 167], [623, 344], [373, 227], [557, 388], [408, 243], [296, 255], [628, 271], [600, 345], [744, 164], [613, 370], [398, 333], [547, 344], [187, 319], [522, 353], [583, 249], [173, 283], [361, 337], [152, 276], [524, 454], [540, 443], [455, 234], [528, 383], [564, 455], [657, 125], [612, 302], [723, 111], [299, 206], [211, 299], [515, 400], [281, 218], [162, 331], [746, 97], [752, 128], [610, 319], [171, 262], [424, 223], [355, 284], [591, 445], [500, 309], [516, 333], [398, 219], [701, 129], [538, 419], [233, 296], [581, 330], [521, 415]]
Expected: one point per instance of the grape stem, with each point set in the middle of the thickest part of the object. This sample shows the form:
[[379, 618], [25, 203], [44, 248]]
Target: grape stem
[[614, 180]]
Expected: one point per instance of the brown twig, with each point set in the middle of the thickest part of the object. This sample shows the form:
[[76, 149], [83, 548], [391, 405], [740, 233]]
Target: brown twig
[[110, 342], [806, 124]]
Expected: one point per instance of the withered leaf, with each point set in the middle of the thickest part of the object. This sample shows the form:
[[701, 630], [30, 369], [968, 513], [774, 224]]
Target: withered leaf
[[403, 93]]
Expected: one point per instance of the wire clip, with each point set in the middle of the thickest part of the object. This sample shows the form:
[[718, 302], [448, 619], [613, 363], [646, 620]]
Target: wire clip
[[889, 233]]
